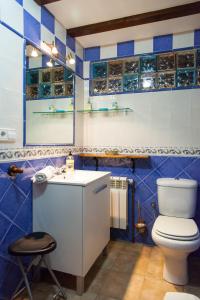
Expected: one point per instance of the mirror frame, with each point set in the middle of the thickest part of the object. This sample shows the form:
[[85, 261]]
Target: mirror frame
[[28, 42]]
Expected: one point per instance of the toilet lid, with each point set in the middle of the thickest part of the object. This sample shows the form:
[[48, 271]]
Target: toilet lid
[[180, 296], [176, 228]]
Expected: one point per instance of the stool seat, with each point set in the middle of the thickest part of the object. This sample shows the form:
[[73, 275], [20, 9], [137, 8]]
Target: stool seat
[[35, 243]]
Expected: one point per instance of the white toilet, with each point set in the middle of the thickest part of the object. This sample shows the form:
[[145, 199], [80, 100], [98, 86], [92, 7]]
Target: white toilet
[[174, 231], [179, 296]]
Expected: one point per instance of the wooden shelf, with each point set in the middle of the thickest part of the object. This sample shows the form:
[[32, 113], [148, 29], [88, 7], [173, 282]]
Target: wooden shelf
[[97, 156], [135, 156]]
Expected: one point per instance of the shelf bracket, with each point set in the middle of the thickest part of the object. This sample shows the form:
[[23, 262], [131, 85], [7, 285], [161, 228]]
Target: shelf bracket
[[96, 163], [133, 165]]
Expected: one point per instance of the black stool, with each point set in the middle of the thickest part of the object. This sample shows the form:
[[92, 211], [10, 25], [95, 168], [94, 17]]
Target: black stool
[[36, 244]]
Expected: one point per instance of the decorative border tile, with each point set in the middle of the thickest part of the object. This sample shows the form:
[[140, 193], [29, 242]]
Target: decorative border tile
[[36, 153], [145, 150]]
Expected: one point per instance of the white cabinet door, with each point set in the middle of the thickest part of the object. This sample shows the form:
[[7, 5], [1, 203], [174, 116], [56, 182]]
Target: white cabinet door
[[96, 220], [57, 209]]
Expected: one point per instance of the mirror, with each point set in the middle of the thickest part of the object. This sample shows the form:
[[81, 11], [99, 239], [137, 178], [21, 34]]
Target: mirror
[[49, 105]]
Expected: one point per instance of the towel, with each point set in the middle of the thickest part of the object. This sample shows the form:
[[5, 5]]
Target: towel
[[44, 175]]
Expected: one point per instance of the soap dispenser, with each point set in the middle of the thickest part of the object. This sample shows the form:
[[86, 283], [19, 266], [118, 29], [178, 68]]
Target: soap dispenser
[[70, 164]]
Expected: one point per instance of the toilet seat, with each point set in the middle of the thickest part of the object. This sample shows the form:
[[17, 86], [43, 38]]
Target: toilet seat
[[178, 229], [179, 296]]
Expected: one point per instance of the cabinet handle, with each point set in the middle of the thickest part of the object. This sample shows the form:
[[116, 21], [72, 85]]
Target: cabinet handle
[[101, 188]]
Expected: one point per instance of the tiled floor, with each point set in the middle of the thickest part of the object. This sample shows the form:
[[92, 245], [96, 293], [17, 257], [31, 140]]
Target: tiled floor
[[128, 272]]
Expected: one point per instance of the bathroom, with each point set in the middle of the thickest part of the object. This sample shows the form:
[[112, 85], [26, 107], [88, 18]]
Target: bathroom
[[118, 89]]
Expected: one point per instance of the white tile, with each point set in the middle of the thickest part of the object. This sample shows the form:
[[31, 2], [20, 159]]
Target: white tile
[[143, 46], [46, 35], [183, 40], [108, 51], [33, 8], [60, 32], [35, 62], [79, 50], [86, 69], [68, 50], [12, 15]]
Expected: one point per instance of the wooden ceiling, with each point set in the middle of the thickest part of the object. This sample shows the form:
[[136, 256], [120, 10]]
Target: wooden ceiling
[[140, 19], [134, 20], [43, 2]]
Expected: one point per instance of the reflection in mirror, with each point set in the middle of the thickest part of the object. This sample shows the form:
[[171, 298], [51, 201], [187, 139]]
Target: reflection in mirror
[[49, 100]]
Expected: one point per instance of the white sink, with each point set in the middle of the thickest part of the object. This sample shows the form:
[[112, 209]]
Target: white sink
[[79, 177]]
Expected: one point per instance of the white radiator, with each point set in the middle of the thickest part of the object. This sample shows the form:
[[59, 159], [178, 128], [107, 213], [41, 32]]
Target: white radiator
[[118, 202]]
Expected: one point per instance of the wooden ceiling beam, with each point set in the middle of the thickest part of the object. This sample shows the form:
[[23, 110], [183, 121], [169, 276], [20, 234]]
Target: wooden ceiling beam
[[43, 2], [135, 20]]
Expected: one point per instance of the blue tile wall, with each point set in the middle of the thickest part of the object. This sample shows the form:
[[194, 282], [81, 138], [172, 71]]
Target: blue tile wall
[[91, 54], [32, 29], [163, 43], [71, 43], [61, 48], [16, 215], [125, 49], [197, 38], [48, 20], [20, 2], [79, 66], [145, 174]]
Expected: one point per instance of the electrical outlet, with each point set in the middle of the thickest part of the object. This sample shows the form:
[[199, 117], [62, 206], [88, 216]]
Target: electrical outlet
[[7, 135], [3, 135]]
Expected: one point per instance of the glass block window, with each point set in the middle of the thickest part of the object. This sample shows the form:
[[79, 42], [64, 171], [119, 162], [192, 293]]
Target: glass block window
[[166, 62], [130, 83], [115, 68], [186, 59], [49, 83], [99, 70], [177, 69], [185, 78], [115, 85], [166, 80], [99, 87], [198, 77], [148, 63], [131, 66], [148, 81], [198, 58]]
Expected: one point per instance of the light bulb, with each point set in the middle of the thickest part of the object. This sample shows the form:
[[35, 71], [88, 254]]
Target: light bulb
[[34, 53], [54, 50], [72, 61], [50, 63]]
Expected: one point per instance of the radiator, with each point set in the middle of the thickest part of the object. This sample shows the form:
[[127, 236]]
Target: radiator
[[118, 202]]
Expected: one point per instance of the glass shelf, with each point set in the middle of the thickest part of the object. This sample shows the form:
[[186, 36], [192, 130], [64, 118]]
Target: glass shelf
[[53, 112], [124, 109]]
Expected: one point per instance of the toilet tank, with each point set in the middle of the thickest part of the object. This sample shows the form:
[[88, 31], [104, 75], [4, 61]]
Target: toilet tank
[[177, 197]]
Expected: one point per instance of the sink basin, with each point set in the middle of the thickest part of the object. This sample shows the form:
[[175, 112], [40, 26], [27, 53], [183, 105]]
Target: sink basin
[[79, 177]]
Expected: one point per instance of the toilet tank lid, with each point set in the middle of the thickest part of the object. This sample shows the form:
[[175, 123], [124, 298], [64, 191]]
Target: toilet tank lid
[[173, 182]]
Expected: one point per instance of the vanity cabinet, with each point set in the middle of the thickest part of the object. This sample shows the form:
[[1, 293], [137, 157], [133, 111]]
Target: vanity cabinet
[[75, 210]]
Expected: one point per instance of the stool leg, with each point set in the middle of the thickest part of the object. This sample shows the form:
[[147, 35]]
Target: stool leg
[[17, 291], [54, 278], [25, 279]]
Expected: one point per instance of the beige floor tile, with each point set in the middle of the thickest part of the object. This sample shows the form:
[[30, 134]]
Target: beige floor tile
[[101, 297], [155, 289], [141, 265], [126, 263], [155, 269], [133, 288], [115, 285], [132, 247]]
